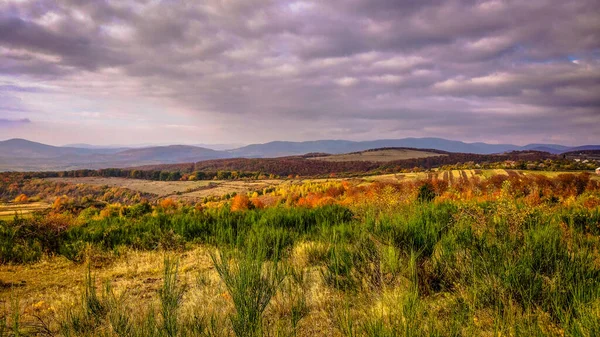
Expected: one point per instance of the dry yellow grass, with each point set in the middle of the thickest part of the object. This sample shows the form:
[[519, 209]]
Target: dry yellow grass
[[58, 281], [380, 155], [7, 211], [224, 187], [181, 190], [56, 284], [160, 188]]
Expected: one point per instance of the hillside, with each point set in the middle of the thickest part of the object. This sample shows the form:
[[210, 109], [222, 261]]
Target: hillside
[[583, 155], [381, 155], [584, 148], [307, 166]]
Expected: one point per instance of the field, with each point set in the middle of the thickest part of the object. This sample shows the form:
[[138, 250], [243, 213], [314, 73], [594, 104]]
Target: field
[[7, 211], [180, 190], [197, 190], [443, 253], [453, 176], [380, 155], [160, 188]]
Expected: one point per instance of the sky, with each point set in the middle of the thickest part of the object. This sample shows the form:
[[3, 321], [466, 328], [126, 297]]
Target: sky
[[247, 71]]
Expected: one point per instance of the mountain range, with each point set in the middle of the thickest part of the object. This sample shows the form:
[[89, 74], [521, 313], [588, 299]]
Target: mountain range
[[25, 155]]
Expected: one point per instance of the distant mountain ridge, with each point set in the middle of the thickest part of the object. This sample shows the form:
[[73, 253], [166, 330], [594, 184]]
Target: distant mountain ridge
[[218, 147], [281, 148], [25, 155], [172, 153]]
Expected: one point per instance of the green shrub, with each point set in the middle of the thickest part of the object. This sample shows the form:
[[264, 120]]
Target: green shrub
[[16, 246]]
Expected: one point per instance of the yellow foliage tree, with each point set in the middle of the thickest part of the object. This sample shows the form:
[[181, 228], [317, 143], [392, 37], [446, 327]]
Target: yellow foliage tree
[[21, 199]]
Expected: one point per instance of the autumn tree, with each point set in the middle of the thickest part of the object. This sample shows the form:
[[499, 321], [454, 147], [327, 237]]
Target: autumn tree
[[240, 202], [21, 199], [257, 203], [168, 204]]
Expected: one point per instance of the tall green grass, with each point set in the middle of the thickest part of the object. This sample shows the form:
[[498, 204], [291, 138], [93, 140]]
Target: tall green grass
[[252, 276]]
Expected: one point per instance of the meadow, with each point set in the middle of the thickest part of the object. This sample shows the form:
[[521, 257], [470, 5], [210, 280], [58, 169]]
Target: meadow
[[445, 253], [380, 155], [7, 211], [180, 190]]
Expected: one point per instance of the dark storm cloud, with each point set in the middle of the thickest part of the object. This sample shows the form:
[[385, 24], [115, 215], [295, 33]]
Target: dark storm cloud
[[446, 68]]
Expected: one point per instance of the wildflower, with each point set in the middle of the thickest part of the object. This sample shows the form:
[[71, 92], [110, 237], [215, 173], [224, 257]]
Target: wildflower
[[226, 295]]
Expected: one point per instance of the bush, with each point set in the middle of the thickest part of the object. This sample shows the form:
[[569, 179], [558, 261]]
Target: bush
[[16, 246], [426, 193]]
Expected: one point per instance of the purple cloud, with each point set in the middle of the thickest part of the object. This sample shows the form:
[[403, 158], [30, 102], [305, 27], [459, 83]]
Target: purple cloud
[[9, 123]]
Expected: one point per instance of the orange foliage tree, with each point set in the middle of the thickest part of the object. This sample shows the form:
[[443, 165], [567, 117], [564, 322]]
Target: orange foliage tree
[[257, 203], [168, 204], [240, 202], [59, 202]]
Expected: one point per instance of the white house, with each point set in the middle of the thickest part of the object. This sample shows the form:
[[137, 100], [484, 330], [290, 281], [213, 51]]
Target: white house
[[598, 171]]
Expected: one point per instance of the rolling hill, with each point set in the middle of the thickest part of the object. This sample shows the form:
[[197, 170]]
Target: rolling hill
[[381, 155], [22, 148]]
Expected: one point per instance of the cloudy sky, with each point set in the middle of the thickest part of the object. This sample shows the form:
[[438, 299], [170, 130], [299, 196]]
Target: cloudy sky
[[244, 71]]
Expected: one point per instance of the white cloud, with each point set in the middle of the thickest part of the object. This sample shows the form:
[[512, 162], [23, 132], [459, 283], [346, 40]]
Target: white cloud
[[346, 81]]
